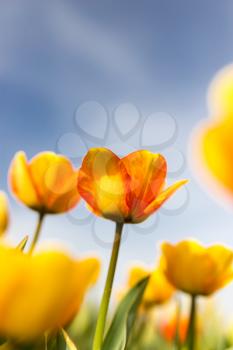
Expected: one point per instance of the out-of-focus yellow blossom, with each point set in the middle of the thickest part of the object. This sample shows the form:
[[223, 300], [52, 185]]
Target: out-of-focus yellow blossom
[[41, 292], [47, 183], [158, 289], [4, 213], [195, 269], [220, 94], [129, 189], [212, 143]]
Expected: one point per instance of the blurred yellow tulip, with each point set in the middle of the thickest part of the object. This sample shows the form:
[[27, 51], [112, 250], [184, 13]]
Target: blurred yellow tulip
[[129, 189], [47, 183], [4, 213], [158, 290], [212, 142], [41, 292], [220, 94], [195, 269]]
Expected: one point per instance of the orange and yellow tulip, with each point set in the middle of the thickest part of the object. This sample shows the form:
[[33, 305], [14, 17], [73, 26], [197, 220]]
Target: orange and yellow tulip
[[127, 190], [47, 183], [158, 290], [41, 292], [4, 213], [212, 143], [195, 269]]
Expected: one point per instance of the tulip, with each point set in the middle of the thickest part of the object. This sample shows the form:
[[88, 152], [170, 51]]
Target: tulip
[[197, 270], [47, 184], [126, 190], [41, 292], [158, 290], [4, 213], [220, 94], [211, 267], [212, 142], [173, 327]]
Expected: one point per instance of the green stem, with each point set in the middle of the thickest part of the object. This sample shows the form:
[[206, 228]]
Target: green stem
[[37, 232], [177, 345], [101, 321], [192, 324]]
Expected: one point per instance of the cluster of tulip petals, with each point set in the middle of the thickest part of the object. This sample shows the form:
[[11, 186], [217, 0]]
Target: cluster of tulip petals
[[42, 290]]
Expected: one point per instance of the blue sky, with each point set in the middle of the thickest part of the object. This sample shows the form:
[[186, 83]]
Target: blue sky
[[157, 55]]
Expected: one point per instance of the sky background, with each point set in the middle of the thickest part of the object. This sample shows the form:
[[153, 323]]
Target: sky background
[[147, 66]]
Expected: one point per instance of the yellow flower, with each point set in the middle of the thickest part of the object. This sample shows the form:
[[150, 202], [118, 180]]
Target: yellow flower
[[47, 183], [41, 292], [195, 269], [158, 289], [124, 190], [4, 213], [212, 143], [220, 94]]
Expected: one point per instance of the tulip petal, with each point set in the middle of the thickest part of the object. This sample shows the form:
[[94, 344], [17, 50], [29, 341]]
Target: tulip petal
[[211, 268], [187, 266], [136, 274], [103, 183], [21, 181], [4, 213], [161, 199], [220, 93], [223, 260], [88, 270], [147, 173], [212, 144], [41, 292], [158, 289], [217, 152], [55, 181]]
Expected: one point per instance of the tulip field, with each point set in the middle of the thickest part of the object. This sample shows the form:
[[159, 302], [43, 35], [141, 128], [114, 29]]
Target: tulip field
[[167, 306]]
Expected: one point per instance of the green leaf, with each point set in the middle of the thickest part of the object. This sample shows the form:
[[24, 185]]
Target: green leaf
[[118, 333], [69, 343], [51, 344], [22, 244]]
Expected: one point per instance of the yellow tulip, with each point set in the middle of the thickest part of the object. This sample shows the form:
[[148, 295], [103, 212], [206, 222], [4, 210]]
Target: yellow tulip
[[41, 292], [212, 142], [195, 269], [220, 94], [158, 290], [4, 213], [129, 189], [47, 183]]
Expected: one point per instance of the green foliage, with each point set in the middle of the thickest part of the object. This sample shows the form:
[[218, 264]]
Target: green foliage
[[123, 321], [22, 244], [145, 333], [147, 336], [82, 328]]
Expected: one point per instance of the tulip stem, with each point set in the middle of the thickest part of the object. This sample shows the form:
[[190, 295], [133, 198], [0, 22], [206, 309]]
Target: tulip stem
[[177, 345], [192, 324], [104, 306], [37, 232]]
